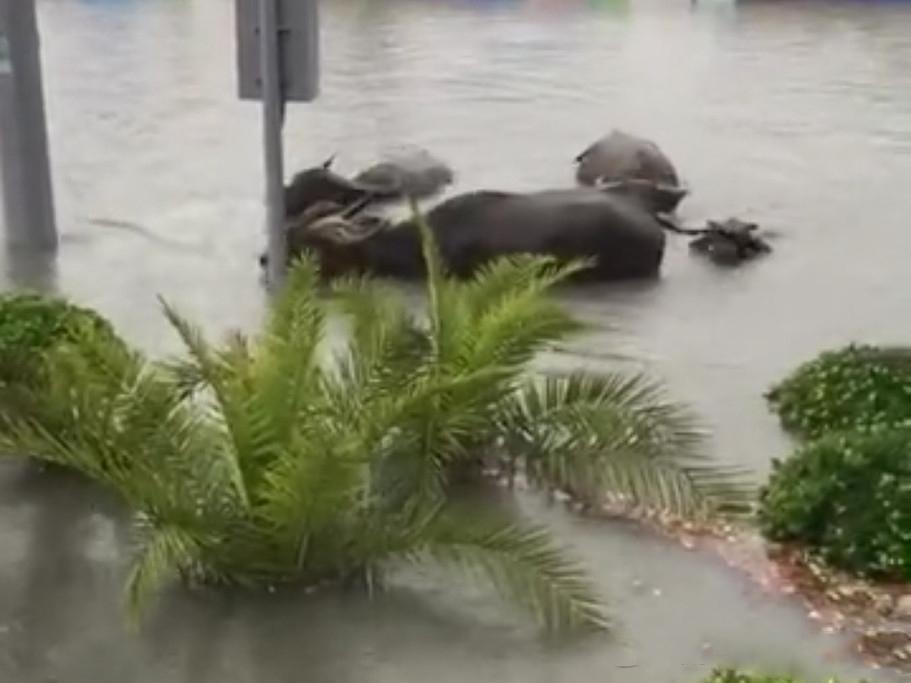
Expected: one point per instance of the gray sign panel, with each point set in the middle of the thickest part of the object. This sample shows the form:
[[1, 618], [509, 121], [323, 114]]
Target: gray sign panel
[[298, 38]]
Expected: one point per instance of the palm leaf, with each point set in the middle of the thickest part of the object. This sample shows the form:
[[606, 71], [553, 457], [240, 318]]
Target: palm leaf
[[435, 278], [231, 414], [386, 349], [618, 436], [445, 304], [510, 334], [165, 550], [77, 416], [523, 564], [286, 365], [503, 278], [310, 490], [428, 427]]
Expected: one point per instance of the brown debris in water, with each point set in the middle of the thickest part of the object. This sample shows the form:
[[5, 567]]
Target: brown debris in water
[[874, 614], [877, 616]]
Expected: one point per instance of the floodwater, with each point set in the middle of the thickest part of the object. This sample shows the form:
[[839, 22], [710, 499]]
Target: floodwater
[[793, 114]]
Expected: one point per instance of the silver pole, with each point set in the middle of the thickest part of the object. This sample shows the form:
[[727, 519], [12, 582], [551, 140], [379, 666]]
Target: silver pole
[[272, 138], [27, 190]]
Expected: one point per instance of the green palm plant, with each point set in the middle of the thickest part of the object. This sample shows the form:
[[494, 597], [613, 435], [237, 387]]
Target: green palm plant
[[286, 458]]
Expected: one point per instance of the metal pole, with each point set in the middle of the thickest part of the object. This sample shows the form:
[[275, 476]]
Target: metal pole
[[272, 138], [27, 190]]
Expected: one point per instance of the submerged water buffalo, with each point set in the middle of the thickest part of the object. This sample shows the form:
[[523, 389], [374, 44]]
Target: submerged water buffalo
[[730, 242], [623, 240], [413, 174], [625, 164]]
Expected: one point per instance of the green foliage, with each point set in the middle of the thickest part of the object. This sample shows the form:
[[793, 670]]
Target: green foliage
[[846, 495], [32, 323], [615, 438], [852, 387], [729, 675], [280, 458]]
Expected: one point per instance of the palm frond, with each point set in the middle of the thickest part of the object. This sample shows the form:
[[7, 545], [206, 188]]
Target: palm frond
[[75, 417], [446, 304], [165, 551], [184, 374], [618, 436], [286, 368], [229, 411], [189, 377], [523, 564], [296, 310], [511, 333], [502, 316], [428, 427], [313, 488], [370, 306], [435, 282], [386, 348], [503, 278]]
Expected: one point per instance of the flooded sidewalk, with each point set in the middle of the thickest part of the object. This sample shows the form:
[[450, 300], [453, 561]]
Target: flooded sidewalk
[[677, 614]]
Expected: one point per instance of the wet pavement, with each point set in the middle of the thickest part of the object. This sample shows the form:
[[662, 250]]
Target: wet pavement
[[795, 115]]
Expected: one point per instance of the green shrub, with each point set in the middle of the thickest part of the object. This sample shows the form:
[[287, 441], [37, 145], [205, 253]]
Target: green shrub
[[31, 324], [856, 386], [266, 460], [846, 495], [727, 675]]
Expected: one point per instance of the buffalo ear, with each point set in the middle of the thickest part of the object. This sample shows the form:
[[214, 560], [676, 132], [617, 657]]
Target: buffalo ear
[[328, 162]]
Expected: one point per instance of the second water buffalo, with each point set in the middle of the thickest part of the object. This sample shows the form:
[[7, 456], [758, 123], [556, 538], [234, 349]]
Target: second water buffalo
[[626, 164], [623, 240]]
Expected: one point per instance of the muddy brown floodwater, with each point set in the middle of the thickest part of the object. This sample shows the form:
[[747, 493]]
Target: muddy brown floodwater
[[796, 115]]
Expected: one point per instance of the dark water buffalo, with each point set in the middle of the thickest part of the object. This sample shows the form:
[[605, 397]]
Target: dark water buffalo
[[416, 174], [624, 240], [730, 242], [629, 165]]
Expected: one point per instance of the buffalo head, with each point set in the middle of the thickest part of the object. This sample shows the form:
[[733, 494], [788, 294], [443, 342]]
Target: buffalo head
[[322, 184], [333, 233], [309, 227]]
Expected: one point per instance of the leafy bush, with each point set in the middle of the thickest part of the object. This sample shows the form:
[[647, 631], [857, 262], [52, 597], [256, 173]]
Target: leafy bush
[[31, 324], [857, 386], [272, 460], [848, 496], [728, 675]]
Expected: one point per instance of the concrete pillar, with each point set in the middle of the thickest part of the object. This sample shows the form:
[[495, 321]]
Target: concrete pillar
[[27, 190]]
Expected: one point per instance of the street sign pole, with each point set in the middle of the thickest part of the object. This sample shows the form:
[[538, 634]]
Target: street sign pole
[[27, 189], [273, 106], [277, 62]]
